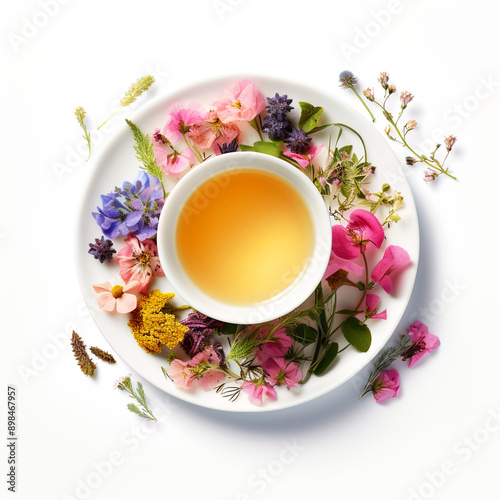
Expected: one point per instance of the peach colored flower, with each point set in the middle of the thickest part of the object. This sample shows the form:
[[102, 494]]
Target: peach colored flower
[[239, 101], [180, 373], [118, 297], [212, 132], [139, 261]]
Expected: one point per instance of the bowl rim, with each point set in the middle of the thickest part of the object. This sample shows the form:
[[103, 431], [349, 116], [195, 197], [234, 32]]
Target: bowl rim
[[290, 298]]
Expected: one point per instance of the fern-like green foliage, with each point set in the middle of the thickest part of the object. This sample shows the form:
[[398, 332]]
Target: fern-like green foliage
[[144, 152]]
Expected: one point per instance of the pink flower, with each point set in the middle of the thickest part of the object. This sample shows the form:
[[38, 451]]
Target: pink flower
[[335, 263], [258, 391], [139, 261], [386, 385], [181, 117], [430, 175], [182, 376], [156, 136], [276, 347], [363, 228], [204, 366], [120, 297], [307, 158], [239, 101], [202, 369], [174, 163], [211, 132], [422, 342], [394, 260], [449, 142], [406, 98], [281, 372], [371, 303]]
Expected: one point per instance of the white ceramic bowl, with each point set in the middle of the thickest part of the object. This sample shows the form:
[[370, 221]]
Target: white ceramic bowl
[[270, 309]]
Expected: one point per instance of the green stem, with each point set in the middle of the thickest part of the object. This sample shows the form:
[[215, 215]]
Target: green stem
[[362, 102], [435, 166], [357, 133], [105, 121], [255, 125], [193, 148]]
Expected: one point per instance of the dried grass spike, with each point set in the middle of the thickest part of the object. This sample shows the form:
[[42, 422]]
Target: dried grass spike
[[103, 355], [84, 362]]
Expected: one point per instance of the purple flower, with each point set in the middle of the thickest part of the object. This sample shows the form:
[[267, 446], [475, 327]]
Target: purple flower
[[347, 79], [101, 249], [298, 141], [133, 209], [200, 328], [278, 106], [232, 147], [276, 128]]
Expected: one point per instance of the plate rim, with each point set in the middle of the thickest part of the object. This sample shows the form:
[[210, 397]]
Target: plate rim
[[223, 79]]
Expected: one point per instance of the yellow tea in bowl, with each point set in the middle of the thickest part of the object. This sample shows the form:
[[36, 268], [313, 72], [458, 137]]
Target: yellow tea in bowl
[[244, 236]]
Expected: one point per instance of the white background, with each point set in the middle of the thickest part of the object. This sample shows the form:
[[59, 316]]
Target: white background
[[438, 439]]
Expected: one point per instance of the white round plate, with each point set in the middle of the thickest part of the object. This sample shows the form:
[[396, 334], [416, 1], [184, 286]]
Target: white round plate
[[117, 163]]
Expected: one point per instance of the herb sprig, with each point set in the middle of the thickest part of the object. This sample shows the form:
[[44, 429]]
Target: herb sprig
[[80, 116], [139, 395], [144, 152]]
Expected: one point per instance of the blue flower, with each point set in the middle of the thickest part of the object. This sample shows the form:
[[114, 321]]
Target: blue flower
[[133, 209], [347, 79]]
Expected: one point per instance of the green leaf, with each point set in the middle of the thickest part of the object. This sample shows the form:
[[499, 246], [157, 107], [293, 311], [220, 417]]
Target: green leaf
[[356, 333], [327, 358], [350, 312], [265, 147], [309, 116], [321, 127], [268, 148], [278, 142], [304, 334], [141, 395], [347, 149]]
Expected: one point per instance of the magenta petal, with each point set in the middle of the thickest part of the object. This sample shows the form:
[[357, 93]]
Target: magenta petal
[[386, 284], [335, 263], [366, 224], [372, 300], [342, 244], [386, 385], [395, 259], [380, 315]]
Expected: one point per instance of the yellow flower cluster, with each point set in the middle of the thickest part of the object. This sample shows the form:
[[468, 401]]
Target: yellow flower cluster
[[151, 327]]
